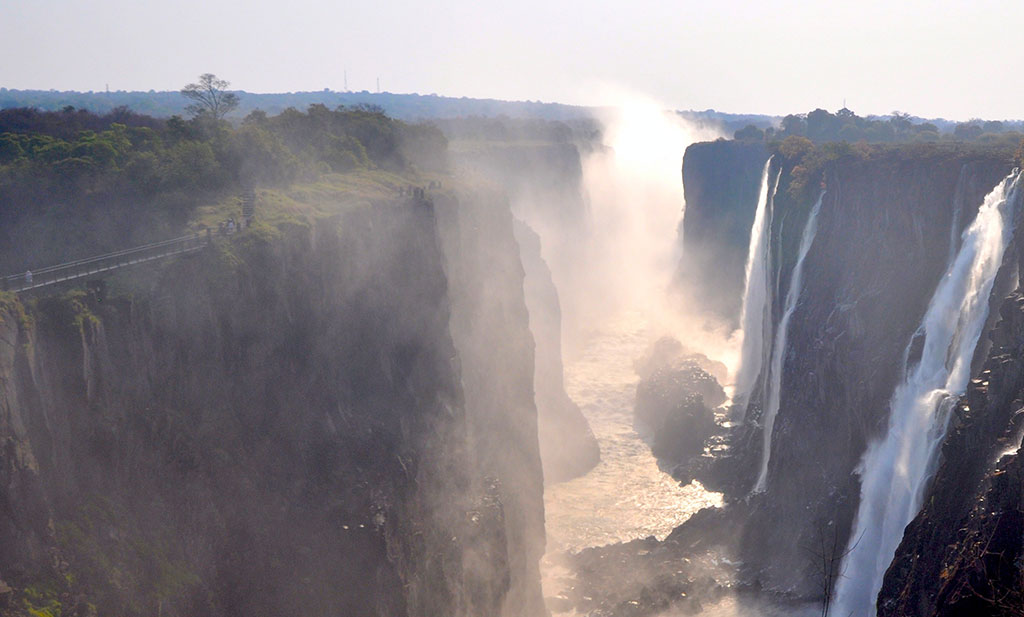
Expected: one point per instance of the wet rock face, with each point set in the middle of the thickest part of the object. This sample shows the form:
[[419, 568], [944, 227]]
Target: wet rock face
[[882, 243], [692, 568], [682, 438], [641, 578], [963, 555]]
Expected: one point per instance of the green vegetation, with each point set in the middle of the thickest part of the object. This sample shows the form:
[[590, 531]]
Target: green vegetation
[[402, 106], [73, 183], [13, 308], [110, 553], [67, 313], [210, 96], [43, 599], [804, 162], [821, 126]]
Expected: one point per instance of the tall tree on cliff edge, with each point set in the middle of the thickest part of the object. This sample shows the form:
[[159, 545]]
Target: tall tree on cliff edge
[[210, 96]]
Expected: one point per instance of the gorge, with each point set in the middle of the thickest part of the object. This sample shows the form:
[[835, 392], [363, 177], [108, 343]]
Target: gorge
[[617, 367]]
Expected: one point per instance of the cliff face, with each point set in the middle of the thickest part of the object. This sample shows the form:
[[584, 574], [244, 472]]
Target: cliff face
[[962, 554], [886, 228], [568, 447], [491, 330], [721, 180], [543, 184], [883, 240], [282, 430]]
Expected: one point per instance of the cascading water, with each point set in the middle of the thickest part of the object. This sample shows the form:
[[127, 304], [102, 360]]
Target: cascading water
[[779, 346], [754, 316], [896, 469], [959, 196]]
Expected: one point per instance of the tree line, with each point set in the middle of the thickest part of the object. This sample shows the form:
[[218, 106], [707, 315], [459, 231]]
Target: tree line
[[821, 126], [105, 177]]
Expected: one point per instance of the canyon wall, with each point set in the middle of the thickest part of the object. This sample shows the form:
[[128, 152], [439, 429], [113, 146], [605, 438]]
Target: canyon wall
[[491, 330], [720, 182], [567, 444], [293, 422], [887, 226], [962, 554], [543, 183]]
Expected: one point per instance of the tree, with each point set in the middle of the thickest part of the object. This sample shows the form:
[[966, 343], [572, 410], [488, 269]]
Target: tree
[[749, 133], [828, 558], [794, 125], [795, 147], [210, 97]]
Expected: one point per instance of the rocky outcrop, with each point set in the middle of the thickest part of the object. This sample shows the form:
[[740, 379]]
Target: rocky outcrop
[[674, 402], [568, 447], [284, 428]]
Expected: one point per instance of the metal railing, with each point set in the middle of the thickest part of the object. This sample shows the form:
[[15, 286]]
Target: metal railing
[[103, 263]]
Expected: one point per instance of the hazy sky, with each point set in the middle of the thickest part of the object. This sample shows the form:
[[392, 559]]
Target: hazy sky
[[945, 58]]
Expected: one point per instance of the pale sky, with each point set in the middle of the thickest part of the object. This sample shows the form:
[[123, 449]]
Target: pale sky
[[952, 59]]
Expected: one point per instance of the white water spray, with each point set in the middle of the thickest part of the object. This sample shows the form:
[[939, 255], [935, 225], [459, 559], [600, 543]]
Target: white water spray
[[959, 196], [779, 347], [755, 314], [896, 469], [635, 201]]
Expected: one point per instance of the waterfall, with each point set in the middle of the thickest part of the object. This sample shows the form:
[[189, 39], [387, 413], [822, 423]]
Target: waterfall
[[895, 469], [959, 196], [779, 346], [756, 296]]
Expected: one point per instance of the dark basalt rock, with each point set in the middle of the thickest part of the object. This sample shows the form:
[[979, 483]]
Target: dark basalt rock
[[721, 180], [673, 406], [643, 577], [883, 238], [668, 352], [963, 555], [295, 424]]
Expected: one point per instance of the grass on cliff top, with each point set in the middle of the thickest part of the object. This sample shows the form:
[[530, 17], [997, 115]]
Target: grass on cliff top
[[306, 202]]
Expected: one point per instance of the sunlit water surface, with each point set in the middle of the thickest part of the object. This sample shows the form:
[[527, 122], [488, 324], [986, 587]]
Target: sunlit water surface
[[625, 496]]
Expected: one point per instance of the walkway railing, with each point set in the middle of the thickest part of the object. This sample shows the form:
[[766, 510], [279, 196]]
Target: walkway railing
[[103, 263]]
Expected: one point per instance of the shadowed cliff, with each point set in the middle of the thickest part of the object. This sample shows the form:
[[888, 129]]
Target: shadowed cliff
[[887, 225], [280, 429]]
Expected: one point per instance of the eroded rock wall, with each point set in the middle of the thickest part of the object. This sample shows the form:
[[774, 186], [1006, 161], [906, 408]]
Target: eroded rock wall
[[883, 241], [568, 447], [281, 429], [491, 330], [721, 181], [962, 554]]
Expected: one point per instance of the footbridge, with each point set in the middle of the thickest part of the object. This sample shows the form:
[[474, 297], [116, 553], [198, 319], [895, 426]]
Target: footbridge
[[34, 279]]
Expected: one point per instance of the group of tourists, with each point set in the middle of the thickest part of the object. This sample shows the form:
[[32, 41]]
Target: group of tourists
[[228, 227]]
